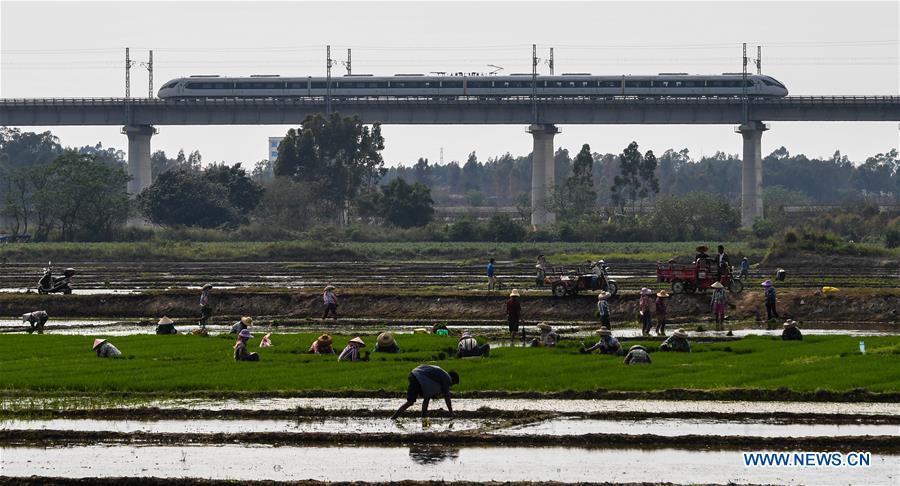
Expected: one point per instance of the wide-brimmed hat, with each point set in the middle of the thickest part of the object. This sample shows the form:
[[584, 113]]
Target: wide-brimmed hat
[[329, 287], [603, 295], [324, 339], [662, 293], [790, 323], [717, 285], [247, 320], [207, 286], [98, 342], [744, 258], [702, 248], [543, 326], [680, 333], [385, 339], [358, 340], [514, 293], [767, 283], [601, 262], [245, 333], [165, 320], [646, 291], [637, 346], [604, 331]]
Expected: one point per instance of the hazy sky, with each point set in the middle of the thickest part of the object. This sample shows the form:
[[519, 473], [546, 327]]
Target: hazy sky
[[76, 49]]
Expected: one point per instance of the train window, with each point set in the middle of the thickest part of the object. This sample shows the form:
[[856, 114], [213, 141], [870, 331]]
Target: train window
[[319, 85], [637, 84], [451, 84], [478, 84], [170, 84], [298, 85], [611, 84]]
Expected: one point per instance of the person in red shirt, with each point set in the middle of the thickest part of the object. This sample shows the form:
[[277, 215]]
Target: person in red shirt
[[513, 313]]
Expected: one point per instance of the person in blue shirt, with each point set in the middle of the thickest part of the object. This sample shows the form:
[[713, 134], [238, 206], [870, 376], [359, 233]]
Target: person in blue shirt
[[492, 280], [745, 268], [428, 381]]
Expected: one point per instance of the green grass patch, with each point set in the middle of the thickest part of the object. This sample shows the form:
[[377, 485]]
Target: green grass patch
[[185, 363]]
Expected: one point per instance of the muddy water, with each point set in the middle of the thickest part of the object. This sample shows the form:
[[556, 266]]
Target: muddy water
[[342, 425], [680, 427], [678, 466], [473, 404]]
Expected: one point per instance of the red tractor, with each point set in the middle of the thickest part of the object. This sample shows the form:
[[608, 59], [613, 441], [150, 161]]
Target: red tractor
[[696, 277]]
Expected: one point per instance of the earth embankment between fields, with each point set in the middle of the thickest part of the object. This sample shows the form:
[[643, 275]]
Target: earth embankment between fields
[[855, 305]]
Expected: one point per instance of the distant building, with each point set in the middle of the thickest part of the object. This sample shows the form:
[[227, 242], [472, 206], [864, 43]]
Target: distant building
[[273, 148]]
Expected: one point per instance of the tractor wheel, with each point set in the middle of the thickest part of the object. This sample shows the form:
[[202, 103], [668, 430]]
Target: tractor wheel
[[736, 286], [612, 288], [559, 290], [678, 287]]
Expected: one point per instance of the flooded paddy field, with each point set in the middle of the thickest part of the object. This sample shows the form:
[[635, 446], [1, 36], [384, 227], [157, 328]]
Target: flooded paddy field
[[111, 277], [425, 463]]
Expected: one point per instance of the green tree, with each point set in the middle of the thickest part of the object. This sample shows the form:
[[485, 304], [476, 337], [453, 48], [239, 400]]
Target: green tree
[[637, 177], [181, 197], [474, 198], [243, 193], [577, 196], [89, 196], [407, 205], [337, 157]]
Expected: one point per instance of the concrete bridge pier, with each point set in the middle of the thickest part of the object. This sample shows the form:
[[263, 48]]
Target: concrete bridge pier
[[139, 156], [543, 172], [751, 172]]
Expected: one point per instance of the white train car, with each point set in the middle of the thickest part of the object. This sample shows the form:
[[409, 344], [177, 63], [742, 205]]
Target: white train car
[[494, 87]]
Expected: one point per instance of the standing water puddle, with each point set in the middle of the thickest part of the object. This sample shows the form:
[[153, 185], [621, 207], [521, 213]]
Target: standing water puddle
[[204, 426], [679, 427], [420, 463]]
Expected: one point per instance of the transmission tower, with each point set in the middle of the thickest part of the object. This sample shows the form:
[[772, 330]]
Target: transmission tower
[[758, 59], [149, 66], [328, 80], [128, 64], [550, 61]]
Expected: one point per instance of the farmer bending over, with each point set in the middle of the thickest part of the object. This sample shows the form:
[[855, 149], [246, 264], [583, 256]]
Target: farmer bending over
[[36, 319], [606, 345], [676, 342], [791, 331], [637, 354], [105, 349], [240, 347], [468, 347], [351, 351], [322, 345], [428, 381]]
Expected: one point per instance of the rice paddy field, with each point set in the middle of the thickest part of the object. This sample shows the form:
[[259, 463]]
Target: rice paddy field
[[175, 406]]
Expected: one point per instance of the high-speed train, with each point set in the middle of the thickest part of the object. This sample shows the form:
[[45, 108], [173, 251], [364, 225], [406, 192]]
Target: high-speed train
[[416, 85]]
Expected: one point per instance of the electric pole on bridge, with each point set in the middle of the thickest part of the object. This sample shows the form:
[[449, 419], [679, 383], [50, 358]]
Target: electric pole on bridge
[[758, 59], [550, 61], [534, 64], [348, 64], [744, 85], [149, 66], [128, 64], [328, 80]]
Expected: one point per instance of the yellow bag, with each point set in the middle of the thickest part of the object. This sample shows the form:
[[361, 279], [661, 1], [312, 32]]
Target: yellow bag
[[830, 290]]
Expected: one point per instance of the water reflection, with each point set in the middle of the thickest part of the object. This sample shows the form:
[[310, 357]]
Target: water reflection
[[429, 455]]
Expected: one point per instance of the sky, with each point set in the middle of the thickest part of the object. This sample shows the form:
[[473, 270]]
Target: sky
[[76, 49]]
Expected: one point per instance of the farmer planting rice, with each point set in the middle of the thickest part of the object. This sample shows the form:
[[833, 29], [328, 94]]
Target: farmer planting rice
[[428, 381], [205, 309], [468, 347], [791, 332], [240, 347], [166, 326], [513, 313], [769, 295], [243, 323], [330, 302], [637, 354], [676, 342], [603, 308], [661, 310], [717, 302], [606, 345], [548, 338], [351, 351], [105, 349], [386, 344], [36, 319], [644, 311], [322, 345]]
